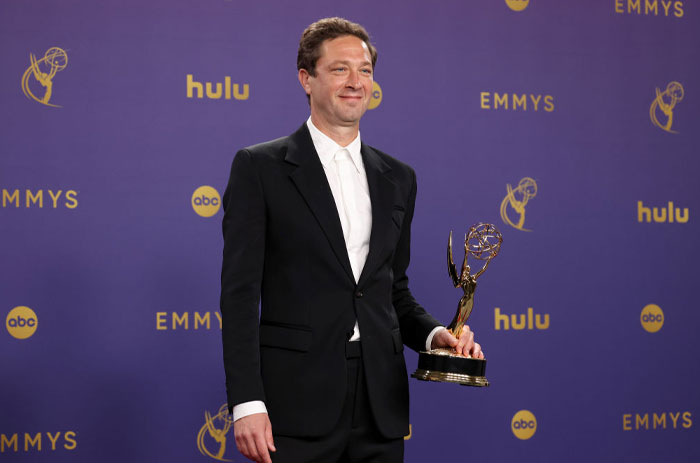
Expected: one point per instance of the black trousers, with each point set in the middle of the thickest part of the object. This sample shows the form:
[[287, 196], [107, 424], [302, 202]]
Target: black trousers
[[355, 439]]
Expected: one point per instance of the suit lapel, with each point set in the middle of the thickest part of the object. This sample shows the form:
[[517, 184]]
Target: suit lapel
[[311, 181], [381, 193]]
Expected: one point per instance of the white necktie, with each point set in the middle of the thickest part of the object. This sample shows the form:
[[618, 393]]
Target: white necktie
[[353, 230], [343, 169]]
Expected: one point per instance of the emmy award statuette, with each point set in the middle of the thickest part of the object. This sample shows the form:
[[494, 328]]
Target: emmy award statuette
[[483, 242]]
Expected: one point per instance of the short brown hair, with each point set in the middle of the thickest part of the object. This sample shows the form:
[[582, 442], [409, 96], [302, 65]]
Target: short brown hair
[[326, 29]]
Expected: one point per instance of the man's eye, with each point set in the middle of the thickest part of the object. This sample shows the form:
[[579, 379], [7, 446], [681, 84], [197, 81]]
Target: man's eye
[[367, 71]]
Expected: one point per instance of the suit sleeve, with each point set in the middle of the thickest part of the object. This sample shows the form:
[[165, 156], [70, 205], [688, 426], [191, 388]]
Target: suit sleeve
[[241, 275], [415, 323]]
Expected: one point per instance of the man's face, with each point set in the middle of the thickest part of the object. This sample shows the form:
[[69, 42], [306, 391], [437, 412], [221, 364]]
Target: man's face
[[341, 90]]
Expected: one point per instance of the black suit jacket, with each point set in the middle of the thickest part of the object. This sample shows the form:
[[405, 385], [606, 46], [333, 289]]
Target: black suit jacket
[[284, 252]]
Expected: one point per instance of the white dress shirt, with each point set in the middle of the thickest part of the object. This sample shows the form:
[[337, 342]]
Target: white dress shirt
[[347, 178]]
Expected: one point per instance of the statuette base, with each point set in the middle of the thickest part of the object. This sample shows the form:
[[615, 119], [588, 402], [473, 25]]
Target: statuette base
[[445, 365]]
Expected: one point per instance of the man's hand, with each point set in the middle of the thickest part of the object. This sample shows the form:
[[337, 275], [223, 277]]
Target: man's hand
[[253, 435], [465, 345]]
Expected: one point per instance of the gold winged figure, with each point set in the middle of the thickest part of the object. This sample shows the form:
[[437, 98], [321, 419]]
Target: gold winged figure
[[483, 242]]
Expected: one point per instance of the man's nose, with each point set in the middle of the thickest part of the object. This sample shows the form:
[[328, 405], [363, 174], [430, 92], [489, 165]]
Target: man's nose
[[354, 80]]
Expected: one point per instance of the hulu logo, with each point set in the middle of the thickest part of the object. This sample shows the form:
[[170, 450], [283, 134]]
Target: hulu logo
[[218, 90], [529, 321], [661, 214]]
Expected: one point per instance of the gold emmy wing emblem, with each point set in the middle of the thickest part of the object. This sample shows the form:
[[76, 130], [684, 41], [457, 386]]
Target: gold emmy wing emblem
[[664, 103], [43, 71], [515, 202], [213, 433]]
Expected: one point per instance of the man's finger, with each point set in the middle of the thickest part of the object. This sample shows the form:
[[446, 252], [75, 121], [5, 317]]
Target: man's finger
[[463, 340], [476, 351], [470, 343], [252, 449], [269, 439], [261, 447], [443, 338], [448, 338], [253, 434]]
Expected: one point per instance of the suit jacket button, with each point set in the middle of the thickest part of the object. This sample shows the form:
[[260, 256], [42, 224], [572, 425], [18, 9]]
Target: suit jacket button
[[359, 294]]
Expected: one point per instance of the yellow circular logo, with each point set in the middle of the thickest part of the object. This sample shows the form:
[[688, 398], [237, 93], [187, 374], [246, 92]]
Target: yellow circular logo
[[652, 318], [523, 424], [517, 5], [376, 96], [206, 201], [21, 322]]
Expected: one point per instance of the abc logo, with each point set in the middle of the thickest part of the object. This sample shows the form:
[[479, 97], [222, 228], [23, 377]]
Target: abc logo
[[206, 201], [376, 96], [21, 322], [652, 318], [517, 5], [523, 424]]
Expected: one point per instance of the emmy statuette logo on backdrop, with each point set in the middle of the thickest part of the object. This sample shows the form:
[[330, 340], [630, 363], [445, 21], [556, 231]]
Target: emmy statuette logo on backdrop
[[661, 110], [513, 205], [482, 242], [43, 71], [212, 435]]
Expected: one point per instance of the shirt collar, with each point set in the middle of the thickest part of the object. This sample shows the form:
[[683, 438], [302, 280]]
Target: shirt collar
[[326, 147]]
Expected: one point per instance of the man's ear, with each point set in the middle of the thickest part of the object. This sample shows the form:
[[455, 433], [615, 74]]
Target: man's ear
[[304, 77]]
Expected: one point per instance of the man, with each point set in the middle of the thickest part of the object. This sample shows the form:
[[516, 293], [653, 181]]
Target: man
[[317, 230]]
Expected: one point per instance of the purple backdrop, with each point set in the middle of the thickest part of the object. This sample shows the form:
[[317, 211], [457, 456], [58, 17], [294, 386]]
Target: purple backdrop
[[121, 273]]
